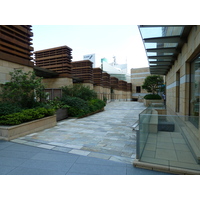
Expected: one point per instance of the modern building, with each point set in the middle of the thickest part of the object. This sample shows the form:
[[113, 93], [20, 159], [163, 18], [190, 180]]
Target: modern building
[[138, 76], [16, 51], [118, 71], [172, 51], [58, 61], [82, 72]]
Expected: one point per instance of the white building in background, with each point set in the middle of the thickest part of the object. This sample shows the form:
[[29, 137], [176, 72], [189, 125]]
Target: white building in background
[[90, 57], [116, 70]]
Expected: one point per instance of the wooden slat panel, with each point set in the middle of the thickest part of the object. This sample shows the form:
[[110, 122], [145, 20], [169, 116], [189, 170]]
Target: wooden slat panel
[[15, 44]]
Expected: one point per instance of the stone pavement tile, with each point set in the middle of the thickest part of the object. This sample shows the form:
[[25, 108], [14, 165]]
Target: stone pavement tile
[[96, 161], [35, 171], [152, 141], [49, 165], [110, 151], [176, 135], [16, 154], [166, 154], [165, 145], [126, 154], [10, 161], [56, 157], [21, 141], [94, 169], [181, 147], [35, 144], [74, 146], [4, 144], [99, 155], [149, 153], [164, 139], [185, 157], [185, 165], [57, 144], [4, 169], [178, 140], [79, 152], [155, 160], [121, 159], [62, 149], [46, 146], [151, 147], [22, 147]]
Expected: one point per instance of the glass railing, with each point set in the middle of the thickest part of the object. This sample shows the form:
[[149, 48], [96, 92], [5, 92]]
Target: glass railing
[[168, 139]]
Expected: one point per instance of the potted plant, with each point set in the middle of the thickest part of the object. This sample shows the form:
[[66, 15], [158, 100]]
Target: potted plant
[[153, 84]]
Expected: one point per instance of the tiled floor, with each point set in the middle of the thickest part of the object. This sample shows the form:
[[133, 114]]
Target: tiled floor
[[169, 149], [21, 159], [108, 135]]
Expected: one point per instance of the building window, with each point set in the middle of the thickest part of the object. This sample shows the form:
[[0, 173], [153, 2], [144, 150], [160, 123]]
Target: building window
[[138, 89], [195, 91]]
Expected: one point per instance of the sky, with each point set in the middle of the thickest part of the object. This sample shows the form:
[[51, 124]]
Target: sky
[[105, 41]]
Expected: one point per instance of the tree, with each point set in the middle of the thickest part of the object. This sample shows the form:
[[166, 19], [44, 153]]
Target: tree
[[23, 89], [153, 83]]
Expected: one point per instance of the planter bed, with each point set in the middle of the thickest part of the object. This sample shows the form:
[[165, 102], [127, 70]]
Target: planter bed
[[147, 102], [92, 113], [61, 114], [12, 132]]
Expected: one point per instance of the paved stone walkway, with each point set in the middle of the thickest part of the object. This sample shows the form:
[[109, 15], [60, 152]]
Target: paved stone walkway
[[106, 135]]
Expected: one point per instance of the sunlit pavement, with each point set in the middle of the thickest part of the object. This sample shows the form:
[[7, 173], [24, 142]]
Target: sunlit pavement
[[107, 135], [101, 144]]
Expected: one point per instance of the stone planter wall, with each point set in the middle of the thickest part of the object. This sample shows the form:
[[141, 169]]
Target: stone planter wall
[[61, 114], [12, 132], [147, 102]]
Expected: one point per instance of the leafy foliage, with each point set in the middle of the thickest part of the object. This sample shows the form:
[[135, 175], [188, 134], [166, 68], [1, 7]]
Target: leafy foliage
[[80, 91], [79, 107], [9, 108], [152, 96], [56, 104], [24, 89], [81, 99], [153, 83], [25, 116]]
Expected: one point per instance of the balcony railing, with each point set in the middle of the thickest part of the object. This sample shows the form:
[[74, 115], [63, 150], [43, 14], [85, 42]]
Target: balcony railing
[[165, 138]]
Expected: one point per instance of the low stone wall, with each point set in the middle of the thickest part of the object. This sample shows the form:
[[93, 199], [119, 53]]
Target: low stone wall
[[147, 102], [12, 132]]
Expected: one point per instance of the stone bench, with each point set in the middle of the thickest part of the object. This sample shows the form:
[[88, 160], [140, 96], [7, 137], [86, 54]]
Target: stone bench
[[166, 126]]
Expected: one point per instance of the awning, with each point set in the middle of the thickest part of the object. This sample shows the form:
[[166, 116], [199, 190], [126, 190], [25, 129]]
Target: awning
[[163, 43]]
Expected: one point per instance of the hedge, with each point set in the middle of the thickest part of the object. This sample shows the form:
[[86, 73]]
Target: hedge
[[152, 96], [25, 116]]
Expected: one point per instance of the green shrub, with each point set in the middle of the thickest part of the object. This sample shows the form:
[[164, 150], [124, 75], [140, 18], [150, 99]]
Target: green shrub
[[96, 104], [24, 89], [152, 96], [78, 107], [25, 116], [56, 104], [7, 108], [80, 91]]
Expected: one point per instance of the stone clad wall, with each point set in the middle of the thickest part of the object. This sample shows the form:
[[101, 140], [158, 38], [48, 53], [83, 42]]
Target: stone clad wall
[[137, 78], [6, 67], [181, 66]]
